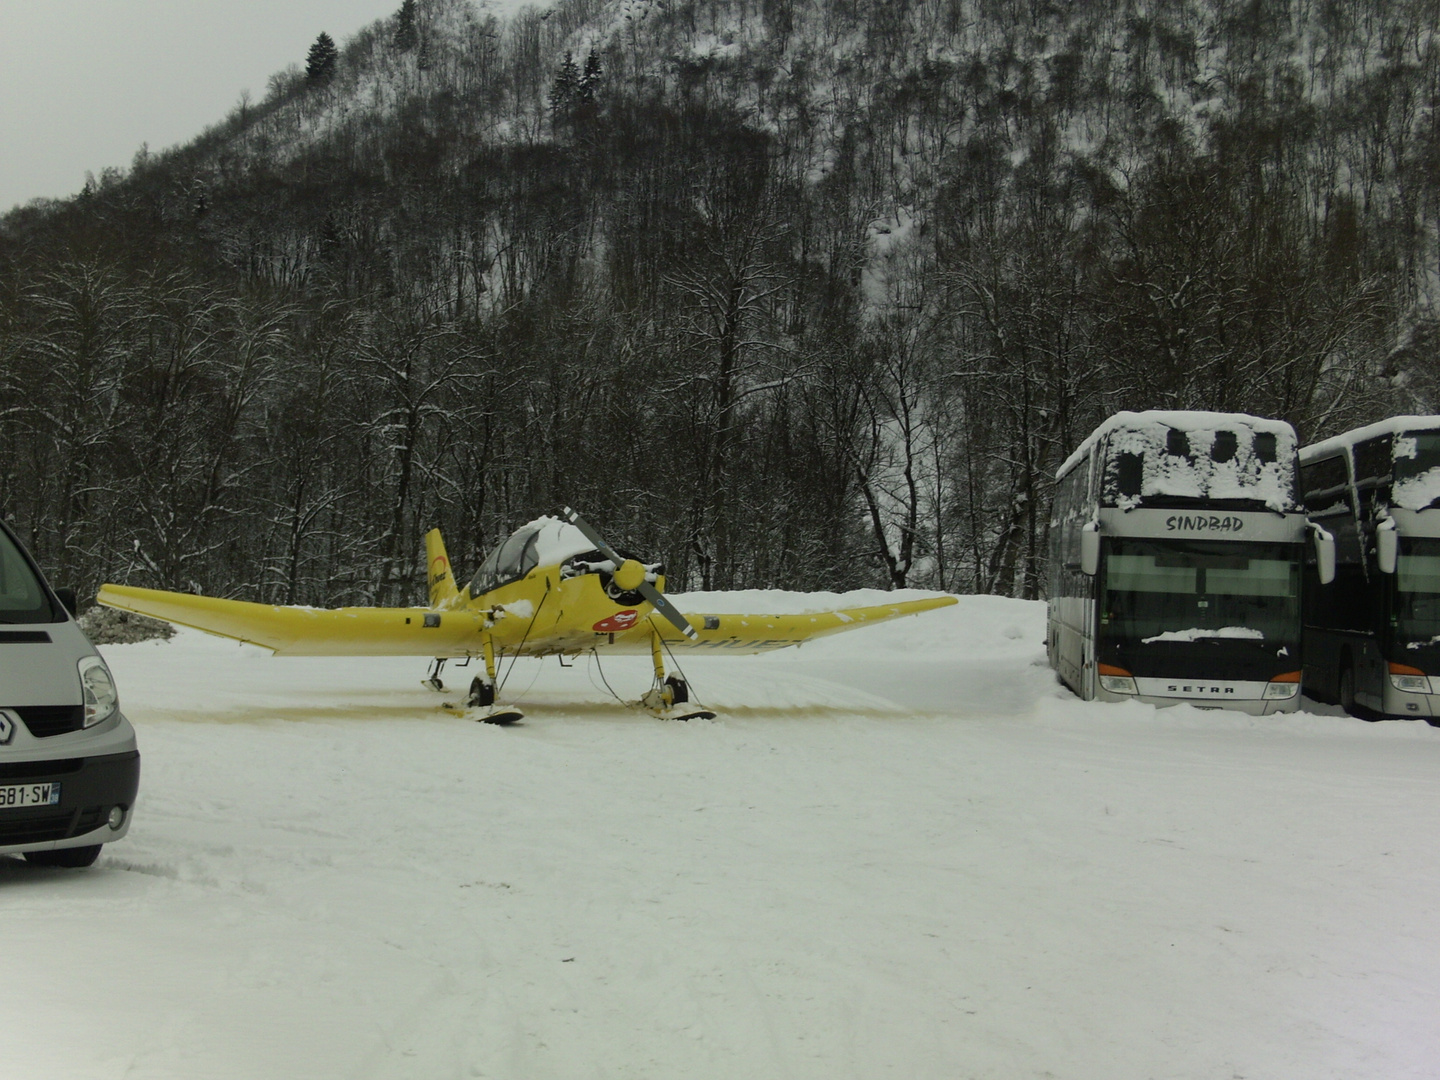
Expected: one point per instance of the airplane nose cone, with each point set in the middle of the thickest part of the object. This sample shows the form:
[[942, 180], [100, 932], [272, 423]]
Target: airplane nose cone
[[629, 575]]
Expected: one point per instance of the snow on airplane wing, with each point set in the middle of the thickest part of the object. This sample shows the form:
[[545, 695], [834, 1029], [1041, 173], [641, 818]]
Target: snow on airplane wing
[[301, 631], [763, 633]]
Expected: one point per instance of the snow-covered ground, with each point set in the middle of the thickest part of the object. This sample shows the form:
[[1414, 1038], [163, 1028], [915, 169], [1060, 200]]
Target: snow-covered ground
[[900, 852]]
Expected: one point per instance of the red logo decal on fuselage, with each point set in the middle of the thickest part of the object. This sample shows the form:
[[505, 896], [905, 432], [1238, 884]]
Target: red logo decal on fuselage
[[621, 620]]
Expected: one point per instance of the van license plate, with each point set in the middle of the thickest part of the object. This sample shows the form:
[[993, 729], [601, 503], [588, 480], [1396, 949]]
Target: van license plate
[[29, 795]]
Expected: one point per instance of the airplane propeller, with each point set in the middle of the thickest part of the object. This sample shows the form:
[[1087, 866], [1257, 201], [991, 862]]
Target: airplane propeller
[[630, 575]]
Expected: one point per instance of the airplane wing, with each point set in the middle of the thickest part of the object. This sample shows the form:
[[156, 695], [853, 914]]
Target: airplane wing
[[763, 633], [300, 631], [366, 631]]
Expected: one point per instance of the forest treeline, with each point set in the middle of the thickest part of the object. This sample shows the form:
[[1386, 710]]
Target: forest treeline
[[789, 293]]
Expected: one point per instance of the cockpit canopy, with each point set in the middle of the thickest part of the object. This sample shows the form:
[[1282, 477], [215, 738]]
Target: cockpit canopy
[[542, 542]]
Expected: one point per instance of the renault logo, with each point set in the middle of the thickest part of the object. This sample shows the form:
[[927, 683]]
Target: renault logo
[[7, 729]]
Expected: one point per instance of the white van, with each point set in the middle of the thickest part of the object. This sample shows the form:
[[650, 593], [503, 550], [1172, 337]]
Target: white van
[[69, 768]]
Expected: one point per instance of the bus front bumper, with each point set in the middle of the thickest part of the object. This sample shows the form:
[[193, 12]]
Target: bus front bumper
[[1403, 703], [1253, 698]]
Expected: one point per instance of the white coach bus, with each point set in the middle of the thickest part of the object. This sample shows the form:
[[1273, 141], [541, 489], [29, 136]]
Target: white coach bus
[[1372, 636], [1176, 543]]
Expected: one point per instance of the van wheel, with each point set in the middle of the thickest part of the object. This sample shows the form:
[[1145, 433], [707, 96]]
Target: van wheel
[[71, 857]]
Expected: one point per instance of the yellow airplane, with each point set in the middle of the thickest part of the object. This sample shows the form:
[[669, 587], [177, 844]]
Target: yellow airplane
[[553, 588]]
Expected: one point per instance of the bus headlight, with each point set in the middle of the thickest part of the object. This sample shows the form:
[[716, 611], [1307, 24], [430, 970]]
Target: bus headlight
[[1283, 686], [1116, 680], [98, 687], [1409, 679]]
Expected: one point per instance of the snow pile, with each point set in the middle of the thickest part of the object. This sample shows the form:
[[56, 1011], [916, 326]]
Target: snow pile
[[903, 851], [1421, 490], [1197, 633], [555, 540], [1417, 492]]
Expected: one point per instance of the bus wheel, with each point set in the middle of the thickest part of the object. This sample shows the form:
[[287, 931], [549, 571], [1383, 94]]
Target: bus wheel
[[1347, 689], [1347, 697]]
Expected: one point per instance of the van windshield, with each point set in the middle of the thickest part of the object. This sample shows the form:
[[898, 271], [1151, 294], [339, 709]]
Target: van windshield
[[22, 598]]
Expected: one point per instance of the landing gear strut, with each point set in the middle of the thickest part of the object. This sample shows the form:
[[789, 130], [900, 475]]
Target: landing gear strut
[[482, 691], [668, 690]]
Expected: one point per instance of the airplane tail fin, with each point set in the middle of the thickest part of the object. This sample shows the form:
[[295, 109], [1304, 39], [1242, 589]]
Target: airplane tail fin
[[442, 580]]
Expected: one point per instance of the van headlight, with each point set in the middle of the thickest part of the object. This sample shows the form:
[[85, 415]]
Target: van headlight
[[101, 699]]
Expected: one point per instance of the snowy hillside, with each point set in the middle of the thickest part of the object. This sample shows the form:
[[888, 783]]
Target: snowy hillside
[[901, 852], [884, 264]]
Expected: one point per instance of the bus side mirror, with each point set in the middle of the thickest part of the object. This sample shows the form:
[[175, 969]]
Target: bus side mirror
[[1090, 548], [67, 600], [1387, 546], [1324, 554]]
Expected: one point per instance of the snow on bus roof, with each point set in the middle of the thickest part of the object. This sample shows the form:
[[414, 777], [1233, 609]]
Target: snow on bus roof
[[1393, 426], [1180, 420]]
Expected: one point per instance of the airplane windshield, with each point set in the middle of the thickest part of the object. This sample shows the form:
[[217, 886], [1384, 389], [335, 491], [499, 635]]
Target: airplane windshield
[[511, 561]]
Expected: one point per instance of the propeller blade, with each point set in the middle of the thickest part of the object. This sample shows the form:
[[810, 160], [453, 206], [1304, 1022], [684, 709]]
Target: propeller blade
[[647, 590], [666, 608], [594, 537]]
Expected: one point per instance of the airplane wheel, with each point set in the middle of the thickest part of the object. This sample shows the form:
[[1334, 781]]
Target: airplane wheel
[[70, 857], [481, 692], [679, 691]]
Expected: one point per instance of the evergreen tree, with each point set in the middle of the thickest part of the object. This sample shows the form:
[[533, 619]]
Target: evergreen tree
[[567, 85], [320, 63], [589, 81], [406, 35]]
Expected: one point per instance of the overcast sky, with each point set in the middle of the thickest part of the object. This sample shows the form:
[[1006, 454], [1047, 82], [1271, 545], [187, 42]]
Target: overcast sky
[[83, 83]]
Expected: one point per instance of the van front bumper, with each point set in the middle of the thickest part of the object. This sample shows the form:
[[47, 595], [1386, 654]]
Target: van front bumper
[[90, 788]]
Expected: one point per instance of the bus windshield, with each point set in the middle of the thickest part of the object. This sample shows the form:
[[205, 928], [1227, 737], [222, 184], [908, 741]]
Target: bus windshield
[[1162, 592], [22, 597], [1417, 593]]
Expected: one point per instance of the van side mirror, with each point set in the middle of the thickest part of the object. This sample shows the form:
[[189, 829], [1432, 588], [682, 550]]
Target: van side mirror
[[1387, 546], [67, 600], [1090, 548], [1324, 554]]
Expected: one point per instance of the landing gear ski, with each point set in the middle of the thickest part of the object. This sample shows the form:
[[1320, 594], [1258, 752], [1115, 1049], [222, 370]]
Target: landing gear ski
[[432, 681], [501, 717]]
